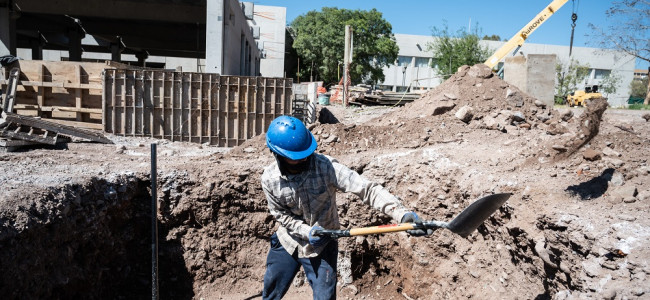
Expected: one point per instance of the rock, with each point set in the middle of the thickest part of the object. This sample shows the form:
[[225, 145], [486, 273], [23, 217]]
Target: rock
[[540, 248], [559, 148], [591, 155], [617, 179], [540, 104], [591, 268], [629, 199], [644, 196], [566, 115], [480, 71], [462, 70], [556, 129], [607, 151], [514, 98], [544, 117], [624, 192], [120, 149], [609, 294], [645, 170], [331, 139], [250, 150], [627, 218], [638, 292], [465, 114], [617, 163], [518, 116], [450, 96]]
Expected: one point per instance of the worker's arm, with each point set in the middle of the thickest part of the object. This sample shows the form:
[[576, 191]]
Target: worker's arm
[[370, 192]]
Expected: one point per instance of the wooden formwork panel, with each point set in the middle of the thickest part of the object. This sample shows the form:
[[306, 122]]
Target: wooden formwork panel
[[60, 91], [192, 107]]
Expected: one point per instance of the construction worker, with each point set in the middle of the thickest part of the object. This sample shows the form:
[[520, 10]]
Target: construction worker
[[300, 187]]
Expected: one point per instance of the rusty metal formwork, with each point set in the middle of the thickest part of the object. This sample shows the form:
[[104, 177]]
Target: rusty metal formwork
[[192, 107]]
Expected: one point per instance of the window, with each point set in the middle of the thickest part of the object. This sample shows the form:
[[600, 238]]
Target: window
[[404, 61], [422, 62], [601, 74]]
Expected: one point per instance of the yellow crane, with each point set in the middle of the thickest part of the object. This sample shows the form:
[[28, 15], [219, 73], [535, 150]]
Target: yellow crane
[[518, 39]]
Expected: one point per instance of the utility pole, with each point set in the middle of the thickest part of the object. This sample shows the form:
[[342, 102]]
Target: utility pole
[[346, 63]]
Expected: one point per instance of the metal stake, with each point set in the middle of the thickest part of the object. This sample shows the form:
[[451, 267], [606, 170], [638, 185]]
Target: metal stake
[[154, 225]]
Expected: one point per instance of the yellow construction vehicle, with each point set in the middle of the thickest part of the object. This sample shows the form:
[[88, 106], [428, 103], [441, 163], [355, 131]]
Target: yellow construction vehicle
[[578, 98], [518, 39]]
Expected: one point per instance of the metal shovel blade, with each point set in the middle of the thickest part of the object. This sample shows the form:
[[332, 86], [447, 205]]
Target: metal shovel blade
[[475, 214]]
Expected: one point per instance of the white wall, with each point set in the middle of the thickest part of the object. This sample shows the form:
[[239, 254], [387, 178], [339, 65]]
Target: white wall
[[272, 22]]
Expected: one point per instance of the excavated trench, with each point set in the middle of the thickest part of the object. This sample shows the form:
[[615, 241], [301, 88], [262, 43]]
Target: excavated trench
[[93, 240]]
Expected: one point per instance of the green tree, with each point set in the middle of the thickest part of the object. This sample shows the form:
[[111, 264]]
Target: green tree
[[628, 30], [493, 37], [568, 76], [638, 88], [320, 41], [451, 51], [609, 84]]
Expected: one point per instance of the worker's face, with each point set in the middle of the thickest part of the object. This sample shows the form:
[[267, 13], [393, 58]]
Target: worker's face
[[294, 166], [294, 162]]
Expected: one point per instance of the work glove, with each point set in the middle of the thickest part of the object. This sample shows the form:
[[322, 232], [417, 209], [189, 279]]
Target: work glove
[[318, 241], [412, 217]]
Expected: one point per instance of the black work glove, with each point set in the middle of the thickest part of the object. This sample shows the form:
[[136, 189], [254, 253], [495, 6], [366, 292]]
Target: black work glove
[[317, 241], [412, 217]]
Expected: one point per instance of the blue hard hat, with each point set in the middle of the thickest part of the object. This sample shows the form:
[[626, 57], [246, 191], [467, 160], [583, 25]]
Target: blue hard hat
[[288, 137]]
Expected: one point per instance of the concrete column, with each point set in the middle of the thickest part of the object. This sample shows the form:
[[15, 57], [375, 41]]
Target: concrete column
[[116, 52], [7, 31], [74, 44], [37, 49], [214, 34], [142, 58]]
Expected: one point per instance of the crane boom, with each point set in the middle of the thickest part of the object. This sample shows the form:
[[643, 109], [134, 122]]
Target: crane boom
[[518, 39]]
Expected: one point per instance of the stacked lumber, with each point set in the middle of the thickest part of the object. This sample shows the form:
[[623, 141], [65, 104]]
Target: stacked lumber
[[365, 95]]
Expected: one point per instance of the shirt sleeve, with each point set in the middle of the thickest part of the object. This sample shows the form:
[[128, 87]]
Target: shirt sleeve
[[371, 193], [294, 226]]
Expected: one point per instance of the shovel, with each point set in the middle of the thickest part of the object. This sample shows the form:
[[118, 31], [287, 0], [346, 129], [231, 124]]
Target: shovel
[[463, 224]]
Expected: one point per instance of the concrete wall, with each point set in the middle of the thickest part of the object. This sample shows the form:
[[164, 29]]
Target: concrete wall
[[515, 71], [272, 22], [240, 53], [534, 75], [540, 79]]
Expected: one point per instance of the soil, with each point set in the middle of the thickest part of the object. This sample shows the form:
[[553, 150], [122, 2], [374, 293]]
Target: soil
[[75, 221]]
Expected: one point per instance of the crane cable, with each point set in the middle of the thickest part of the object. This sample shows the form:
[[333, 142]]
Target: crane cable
[[574, 18]]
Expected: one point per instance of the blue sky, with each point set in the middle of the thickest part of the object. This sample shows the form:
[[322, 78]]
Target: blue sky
[[500, 17]]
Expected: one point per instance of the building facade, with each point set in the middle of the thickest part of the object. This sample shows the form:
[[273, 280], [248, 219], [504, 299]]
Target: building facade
[[216, 36], [413, 67]]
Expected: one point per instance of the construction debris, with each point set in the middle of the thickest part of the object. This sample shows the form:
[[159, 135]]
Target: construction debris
[[365, 95]]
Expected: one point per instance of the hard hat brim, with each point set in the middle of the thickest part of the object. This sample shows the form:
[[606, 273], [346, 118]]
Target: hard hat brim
[[295, 155]]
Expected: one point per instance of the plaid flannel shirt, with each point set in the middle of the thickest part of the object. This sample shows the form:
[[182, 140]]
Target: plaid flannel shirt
[[301, 201]]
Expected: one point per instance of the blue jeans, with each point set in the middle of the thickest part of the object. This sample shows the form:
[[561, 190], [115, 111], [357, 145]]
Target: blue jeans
[[282, 267]]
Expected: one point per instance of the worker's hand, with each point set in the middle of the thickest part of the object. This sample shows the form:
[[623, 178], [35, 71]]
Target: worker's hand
[[412, 217], [317, 241]]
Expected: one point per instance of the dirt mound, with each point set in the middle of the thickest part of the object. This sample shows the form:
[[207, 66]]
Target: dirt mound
[[575, 227], [482, 99]]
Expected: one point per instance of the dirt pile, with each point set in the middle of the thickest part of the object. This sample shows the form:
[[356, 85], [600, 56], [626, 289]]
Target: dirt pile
[[574, 228]]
